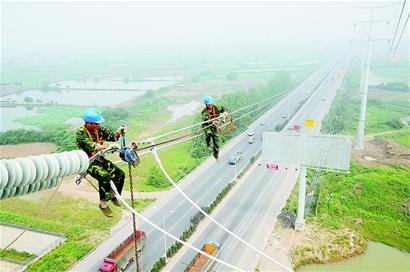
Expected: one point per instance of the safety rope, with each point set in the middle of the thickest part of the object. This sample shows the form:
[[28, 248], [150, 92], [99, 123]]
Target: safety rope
[[149, 222], [89, 181], [158, 160], [133, 218], [36, 216]]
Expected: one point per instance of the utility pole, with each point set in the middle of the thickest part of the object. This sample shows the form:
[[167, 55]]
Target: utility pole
[[365, 87], [365, 78], [300, 221]]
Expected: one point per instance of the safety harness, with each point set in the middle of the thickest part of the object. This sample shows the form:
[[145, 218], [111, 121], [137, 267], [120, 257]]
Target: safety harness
[[97, 141], [221, 121]]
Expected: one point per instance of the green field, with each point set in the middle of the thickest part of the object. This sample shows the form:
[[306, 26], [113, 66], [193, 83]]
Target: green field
[[384, 111], [372, 200], [401, 136], [81, 222], [396, 71]]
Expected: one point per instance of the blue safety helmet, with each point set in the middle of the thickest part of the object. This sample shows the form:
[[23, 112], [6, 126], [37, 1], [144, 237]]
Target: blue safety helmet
[[91, 115], [208, 100]]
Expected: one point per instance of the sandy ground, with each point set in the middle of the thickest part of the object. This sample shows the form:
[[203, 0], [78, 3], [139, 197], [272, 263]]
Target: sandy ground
[[25, 150], [383, 151], [31, 241]]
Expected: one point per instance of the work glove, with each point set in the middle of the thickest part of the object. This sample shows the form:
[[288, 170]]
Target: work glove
[[224, 116], [122, 128], [100, 147]]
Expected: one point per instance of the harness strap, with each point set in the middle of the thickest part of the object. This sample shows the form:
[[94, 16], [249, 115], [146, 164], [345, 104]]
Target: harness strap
[[98, 141], [212, 114]]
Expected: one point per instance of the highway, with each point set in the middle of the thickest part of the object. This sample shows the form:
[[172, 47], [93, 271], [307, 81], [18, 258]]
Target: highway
[[251, 208], [204, 184]]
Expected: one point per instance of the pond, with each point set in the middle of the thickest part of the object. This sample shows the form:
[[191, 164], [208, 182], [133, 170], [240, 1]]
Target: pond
[[9, 114], [379, 257], [181, 110]]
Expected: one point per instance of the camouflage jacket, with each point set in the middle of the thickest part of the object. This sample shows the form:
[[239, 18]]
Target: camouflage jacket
[[87, 140], [211, 113]]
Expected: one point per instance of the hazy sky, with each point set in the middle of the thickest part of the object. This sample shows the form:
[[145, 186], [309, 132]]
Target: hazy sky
[[106, 26]]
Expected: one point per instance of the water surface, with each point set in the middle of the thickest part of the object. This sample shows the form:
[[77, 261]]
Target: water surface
[[379, 257]]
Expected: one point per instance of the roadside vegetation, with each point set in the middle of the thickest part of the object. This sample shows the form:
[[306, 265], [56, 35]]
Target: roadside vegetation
[[80, 221]]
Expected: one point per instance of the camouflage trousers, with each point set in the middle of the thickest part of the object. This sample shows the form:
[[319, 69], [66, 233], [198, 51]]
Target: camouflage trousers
[[212, 134], [104, 170]]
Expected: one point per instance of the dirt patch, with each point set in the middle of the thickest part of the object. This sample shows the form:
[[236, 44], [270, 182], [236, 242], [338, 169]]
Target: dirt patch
[[383, 151], [24, 150], [313, 245]]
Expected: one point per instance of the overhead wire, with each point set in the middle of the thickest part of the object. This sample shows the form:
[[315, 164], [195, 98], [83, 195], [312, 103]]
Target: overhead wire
[[213, 119], [193, 135], [401, 35], [397, 28]]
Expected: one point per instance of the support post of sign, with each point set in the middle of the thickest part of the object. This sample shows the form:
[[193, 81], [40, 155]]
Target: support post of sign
[[300, 221]]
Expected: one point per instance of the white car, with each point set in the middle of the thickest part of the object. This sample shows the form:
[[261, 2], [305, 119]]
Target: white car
[[251, 132], [263, 123], [251, 140]]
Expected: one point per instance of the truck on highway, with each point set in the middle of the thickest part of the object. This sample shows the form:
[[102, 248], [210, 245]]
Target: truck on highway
[[124, 254], [201, 261]]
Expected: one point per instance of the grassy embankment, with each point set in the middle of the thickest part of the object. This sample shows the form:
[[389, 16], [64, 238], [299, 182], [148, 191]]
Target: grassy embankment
[[373, 201], [80, 221]]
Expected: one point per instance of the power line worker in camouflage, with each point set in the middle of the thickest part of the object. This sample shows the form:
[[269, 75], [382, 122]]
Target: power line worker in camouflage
[[210, 112], [90, 138]]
